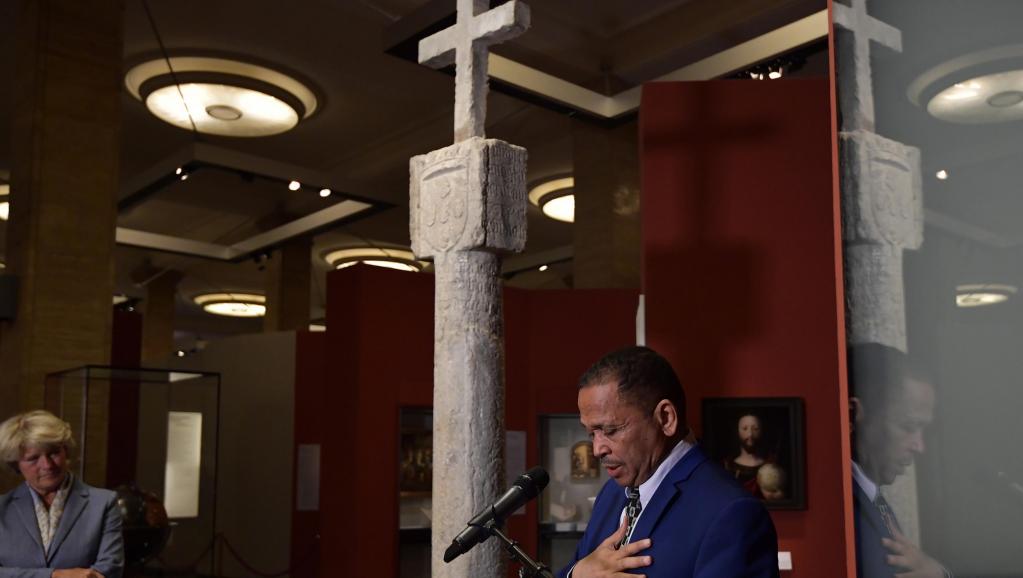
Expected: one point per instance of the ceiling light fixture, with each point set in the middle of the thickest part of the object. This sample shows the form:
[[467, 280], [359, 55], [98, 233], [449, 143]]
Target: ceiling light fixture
[[981, 100], [220, 96], [941, 175], [324, 193], [400, 259], [979, 295], [543, 268], [232, 304], [556, 198], [981, 87], [294, 186]]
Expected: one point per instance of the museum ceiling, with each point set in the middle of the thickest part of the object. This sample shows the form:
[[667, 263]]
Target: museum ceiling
[[376, 108]]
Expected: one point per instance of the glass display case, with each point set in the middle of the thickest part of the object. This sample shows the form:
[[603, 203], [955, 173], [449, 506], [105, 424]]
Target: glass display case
[[576, 477], [152, 436]]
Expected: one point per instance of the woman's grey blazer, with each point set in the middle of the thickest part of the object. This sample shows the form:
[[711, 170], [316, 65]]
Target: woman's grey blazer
[[88, 534]]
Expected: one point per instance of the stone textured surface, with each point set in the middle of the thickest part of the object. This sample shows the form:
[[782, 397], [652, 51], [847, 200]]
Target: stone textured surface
[[882, 193], [882, 214], [468, 204], [466, 45], [875, 300], [468, 406], [468, 196], [854, 30]]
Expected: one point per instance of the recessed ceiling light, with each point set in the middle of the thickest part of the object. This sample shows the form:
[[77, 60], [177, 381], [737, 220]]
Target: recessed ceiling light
[[224, 112], [220, 96], [979, 295], [324, 193], [556, 198], [178, 172], [543, 268], [184, 176], [399, 259], [1005, 99], [294, 186], [232, 304], [941, 175]]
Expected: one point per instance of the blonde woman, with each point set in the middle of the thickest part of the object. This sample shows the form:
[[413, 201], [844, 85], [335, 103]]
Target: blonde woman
[[53, 525]]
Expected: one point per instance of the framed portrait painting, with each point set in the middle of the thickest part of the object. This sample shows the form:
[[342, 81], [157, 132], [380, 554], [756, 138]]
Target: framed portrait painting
[[759, 440]]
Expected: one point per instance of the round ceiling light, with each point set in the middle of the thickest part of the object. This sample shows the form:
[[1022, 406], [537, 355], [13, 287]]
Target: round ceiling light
[[221, 97], [979, 295], [232, 304], [556, 198], [399, 259], [980, 87]]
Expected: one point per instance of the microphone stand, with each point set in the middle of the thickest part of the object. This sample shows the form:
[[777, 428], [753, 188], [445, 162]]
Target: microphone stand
[[530, 568]]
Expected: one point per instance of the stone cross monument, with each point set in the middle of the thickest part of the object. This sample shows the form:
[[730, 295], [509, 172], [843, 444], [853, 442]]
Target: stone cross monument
[[882, 211], [882, 199], [468, 205]]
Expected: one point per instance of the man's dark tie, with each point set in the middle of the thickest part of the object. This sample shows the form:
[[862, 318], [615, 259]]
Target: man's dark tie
[[632, 509], [886, 514]]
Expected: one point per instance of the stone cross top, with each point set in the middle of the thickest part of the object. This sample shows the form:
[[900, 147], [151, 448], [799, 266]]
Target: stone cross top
[[467, 206], [857, 97], [466, 44]]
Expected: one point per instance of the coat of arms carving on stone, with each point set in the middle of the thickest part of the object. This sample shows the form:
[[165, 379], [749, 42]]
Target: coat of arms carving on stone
[[443, 203]]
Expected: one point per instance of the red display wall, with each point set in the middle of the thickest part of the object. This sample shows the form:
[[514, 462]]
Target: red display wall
[[742, 273], [377, 356]]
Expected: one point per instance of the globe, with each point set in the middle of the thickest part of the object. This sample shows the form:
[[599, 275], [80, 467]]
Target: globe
[[145, 525]]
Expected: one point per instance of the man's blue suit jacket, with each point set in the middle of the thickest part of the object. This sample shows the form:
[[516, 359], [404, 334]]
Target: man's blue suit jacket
[[88, 534], [871, 555], [702, 523]]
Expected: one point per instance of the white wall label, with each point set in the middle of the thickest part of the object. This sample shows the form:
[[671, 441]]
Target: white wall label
[[785, 560], [184, 458]]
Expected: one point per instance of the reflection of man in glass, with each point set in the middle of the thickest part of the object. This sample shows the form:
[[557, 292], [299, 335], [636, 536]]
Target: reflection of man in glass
[[891, 404]]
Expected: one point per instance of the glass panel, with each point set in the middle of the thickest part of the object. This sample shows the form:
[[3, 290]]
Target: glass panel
[[166, 475], [576, 478], [931, 102]]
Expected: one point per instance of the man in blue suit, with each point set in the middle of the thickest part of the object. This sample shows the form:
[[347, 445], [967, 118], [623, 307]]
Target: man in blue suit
[[891, 402], [668, 511], [53, 525]]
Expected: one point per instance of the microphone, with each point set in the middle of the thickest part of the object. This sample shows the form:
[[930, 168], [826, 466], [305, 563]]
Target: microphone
[[526, 487]]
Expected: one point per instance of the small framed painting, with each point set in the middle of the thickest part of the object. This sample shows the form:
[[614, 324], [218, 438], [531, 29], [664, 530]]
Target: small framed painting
[[759, 440]]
